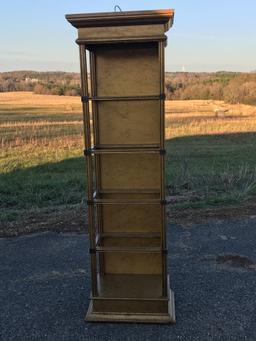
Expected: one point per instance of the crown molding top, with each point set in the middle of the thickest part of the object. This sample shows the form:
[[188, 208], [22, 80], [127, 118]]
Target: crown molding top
[[127, 18]]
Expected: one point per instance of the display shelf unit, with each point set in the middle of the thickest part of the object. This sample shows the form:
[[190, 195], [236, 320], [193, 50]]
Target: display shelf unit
[[123, 115]]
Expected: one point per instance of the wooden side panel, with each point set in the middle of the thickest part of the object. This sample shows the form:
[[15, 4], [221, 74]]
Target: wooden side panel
[[130, 171], [129, 122], [133, 263], [131, 218], [127, 71], [145, 242], [138, 286], [131, 195]]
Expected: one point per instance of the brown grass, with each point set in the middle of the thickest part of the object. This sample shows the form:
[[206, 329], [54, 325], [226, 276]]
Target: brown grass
[[29, 99], [190, 118]]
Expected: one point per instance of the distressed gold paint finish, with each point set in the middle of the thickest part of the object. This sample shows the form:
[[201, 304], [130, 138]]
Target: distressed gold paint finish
[[120, 122], [125, 167], [130, 171], [133, 263], [132, 218], [119, 67]]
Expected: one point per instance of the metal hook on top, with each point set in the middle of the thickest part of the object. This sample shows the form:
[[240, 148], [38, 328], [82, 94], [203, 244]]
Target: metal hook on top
[[117, 7]]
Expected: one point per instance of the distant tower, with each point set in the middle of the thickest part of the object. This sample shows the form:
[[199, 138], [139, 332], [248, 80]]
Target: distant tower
[[183, 68]]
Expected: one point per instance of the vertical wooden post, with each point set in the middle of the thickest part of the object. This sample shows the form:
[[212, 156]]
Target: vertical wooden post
[[96, 143], [162, 161], [89, 166]]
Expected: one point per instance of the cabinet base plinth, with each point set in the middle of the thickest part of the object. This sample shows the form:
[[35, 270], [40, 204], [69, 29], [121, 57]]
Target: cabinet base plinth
[[142, 311]]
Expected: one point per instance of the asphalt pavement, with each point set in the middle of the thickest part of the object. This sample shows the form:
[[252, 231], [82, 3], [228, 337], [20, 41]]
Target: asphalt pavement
[[45, 285]]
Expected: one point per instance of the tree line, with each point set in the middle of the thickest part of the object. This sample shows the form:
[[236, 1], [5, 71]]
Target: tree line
[[47, 83], [233, 87]]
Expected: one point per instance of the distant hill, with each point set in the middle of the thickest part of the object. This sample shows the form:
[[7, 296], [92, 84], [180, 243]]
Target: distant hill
[[233, 87]]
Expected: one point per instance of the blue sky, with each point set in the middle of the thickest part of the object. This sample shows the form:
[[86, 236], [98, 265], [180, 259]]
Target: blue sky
[[207, 35]]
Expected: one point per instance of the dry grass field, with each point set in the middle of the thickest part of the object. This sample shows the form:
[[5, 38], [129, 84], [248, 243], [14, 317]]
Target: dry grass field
[[210, 162]]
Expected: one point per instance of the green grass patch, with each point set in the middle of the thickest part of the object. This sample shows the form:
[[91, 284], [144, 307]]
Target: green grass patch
[[211, 170]]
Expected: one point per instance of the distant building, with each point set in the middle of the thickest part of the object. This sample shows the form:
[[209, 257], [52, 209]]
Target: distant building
[[31, 80]]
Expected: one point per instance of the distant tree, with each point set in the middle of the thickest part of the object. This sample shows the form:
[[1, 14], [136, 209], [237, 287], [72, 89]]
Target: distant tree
[[39, 89]]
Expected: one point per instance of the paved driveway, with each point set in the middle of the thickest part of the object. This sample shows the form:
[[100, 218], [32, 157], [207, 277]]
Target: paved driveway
[[44, 287]]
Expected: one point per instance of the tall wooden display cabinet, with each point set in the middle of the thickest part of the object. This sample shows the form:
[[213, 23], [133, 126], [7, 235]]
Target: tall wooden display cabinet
[[125, 155]]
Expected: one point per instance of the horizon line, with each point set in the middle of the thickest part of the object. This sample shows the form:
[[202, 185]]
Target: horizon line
[[78, 72]]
